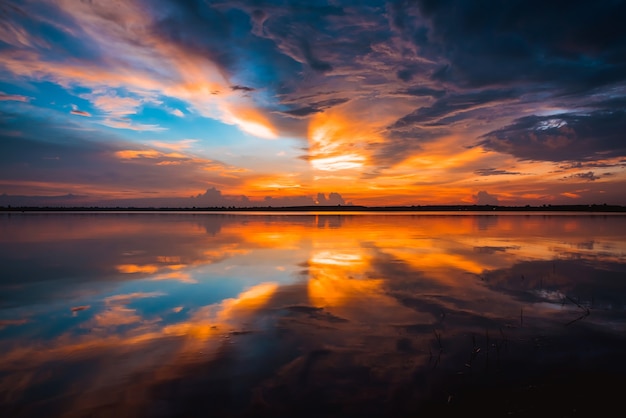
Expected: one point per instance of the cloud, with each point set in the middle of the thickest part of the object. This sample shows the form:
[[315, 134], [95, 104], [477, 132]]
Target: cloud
[[453, 105], [422, 91], [367, 91], [485, 198], [589, 176], [494, 172], [80, 113], [512, 42], [113, 105], [13, 97], [334, 199], [142, 58], [564, 137], [242, 88], [65, 162], [177, 112], [314, 107], [126, 123]]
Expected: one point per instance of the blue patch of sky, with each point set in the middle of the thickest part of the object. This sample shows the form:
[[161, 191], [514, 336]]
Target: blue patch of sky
[[50, 321], [259, 63], [270, 68], [208, 132], [13, 88], [47, 95], [190, 296], [163, 296]]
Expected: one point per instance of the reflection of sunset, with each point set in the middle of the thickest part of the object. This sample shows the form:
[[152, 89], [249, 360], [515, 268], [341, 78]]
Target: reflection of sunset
[[337, 276], [216, 320], [337, 282], [284, 208], [337, 258], [328, 289], [247, 302], [430, 259]]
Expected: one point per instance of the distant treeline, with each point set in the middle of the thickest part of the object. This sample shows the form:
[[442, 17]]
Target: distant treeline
[[338, 208]]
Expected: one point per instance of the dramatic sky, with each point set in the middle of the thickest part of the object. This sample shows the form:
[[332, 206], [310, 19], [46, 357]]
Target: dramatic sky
[[275, 102]]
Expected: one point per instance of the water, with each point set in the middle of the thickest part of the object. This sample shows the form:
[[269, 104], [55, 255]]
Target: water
[[190, 314]]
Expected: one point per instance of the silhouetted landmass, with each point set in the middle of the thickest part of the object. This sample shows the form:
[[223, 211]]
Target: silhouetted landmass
[[338, 208]]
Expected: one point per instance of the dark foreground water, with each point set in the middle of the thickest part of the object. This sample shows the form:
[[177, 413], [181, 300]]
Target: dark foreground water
[[298, 315]]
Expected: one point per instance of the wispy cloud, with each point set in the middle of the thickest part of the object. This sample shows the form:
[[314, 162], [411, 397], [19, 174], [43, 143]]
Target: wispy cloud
[[76, 111], [80, 113], [389, 99], [4, 97]]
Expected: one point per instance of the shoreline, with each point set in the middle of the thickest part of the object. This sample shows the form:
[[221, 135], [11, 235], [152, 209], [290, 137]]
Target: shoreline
[[334, 209]]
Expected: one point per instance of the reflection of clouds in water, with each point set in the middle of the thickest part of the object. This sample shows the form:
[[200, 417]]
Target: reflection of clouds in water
[[486, 249], [598, 284], [120, 335], [116, 312], [330, 221], [384, 305], [486, 222]]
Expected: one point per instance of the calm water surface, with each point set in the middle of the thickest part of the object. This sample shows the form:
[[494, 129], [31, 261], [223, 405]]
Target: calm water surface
[[171, 314]]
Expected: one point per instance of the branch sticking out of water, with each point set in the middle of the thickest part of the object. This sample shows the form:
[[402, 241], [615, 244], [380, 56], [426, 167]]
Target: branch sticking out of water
[[586, 311]]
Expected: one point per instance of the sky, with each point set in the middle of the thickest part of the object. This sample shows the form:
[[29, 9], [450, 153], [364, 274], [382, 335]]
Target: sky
[[281, 103]]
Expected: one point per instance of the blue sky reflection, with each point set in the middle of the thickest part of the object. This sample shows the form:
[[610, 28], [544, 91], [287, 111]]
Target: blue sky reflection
[[113, 304]]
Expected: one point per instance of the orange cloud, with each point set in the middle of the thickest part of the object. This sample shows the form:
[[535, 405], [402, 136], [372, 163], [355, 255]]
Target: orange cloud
[[137, 154], [338, 142], [146, 69], [134, 268], [13, 97]]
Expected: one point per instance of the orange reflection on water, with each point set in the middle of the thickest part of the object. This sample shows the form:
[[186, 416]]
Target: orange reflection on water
[[340, 281], [216, 320], [327, 282]]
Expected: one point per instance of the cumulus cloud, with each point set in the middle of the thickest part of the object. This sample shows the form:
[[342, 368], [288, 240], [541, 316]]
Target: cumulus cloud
[[368, 90], [589, 176], [334, 199], [485, 198]]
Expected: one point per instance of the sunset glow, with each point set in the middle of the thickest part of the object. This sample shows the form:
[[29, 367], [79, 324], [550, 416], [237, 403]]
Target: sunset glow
[[239, 103]]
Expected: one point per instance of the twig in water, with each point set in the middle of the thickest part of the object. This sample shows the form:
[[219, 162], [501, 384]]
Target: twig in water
[[473, 354], [438, 339], [586, 311]]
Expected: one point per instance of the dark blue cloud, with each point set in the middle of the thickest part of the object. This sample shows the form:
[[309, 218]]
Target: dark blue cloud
[[568, 53], [565, 137], [453, 62], [494, 172], [572, 44], [315, 107], [451, 104]]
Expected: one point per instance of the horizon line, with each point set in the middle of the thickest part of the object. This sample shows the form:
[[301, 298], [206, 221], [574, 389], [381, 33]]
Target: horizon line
[[333, 208]]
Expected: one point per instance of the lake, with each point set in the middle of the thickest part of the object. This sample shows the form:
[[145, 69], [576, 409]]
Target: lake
[[311, 315]]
